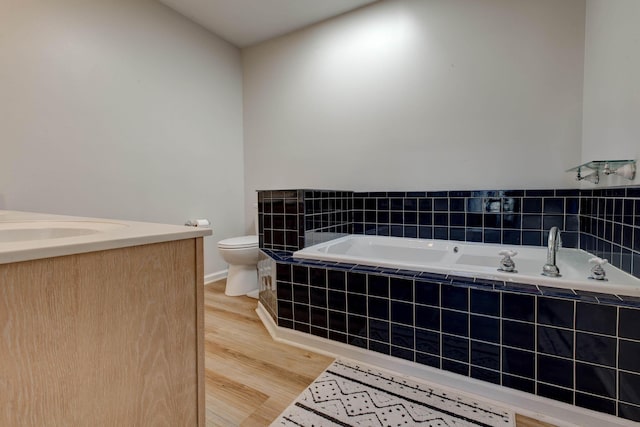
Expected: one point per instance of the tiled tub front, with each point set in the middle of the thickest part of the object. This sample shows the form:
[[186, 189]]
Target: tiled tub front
[[577, 347]]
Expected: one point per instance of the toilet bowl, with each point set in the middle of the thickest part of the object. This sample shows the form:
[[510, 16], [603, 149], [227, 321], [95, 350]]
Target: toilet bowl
[[241, 253]]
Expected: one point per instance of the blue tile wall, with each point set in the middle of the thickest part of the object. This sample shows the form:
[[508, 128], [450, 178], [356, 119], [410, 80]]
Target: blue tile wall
[[610, 226], [605, 222], [281, 219], [516, 217], [292, 219], [327, 215], [574, 347]]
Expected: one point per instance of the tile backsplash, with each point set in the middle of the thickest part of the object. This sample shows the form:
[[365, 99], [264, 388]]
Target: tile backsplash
[[602, 221], [327, 215], [281, 219], [293, 219], [514, 217], [610, 226]]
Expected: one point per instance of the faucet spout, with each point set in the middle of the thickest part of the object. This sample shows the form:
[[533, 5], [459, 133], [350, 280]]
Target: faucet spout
[[554, 243]]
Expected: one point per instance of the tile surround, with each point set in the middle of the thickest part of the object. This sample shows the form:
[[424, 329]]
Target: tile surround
[[605, 222], [281, 219], [327, 215], [292, 219], [576, 347], [501, 216], [609, 224]]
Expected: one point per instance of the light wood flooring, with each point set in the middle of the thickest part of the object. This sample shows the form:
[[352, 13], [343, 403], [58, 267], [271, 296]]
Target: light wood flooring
[[251, 379]]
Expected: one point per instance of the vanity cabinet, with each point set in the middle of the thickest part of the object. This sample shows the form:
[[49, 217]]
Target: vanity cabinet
[[105, 338]]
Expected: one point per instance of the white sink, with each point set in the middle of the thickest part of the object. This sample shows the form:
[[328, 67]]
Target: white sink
[[21, 231]]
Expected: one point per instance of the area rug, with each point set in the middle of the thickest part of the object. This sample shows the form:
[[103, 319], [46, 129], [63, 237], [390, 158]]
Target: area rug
[[352, 394]]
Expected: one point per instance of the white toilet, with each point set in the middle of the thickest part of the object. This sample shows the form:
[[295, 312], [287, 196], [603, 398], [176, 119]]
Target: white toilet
[[241, 253]]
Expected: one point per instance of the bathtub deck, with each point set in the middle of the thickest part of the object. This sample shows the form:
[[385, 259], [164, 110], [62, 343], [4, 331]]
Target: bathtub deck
[[250, 378]]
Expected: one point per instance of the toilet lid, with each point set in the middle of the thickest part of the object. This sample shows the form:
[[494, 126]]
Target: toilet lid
[[239, 242]]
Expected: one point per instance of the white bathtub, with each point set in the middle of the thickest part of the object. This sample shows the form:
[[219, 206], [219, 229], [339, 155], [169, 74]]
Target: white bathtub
[[472, 260]]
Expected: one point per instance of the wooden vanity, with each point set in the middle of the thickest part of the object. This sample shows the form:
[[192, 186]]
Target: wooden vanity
[[105, 337]]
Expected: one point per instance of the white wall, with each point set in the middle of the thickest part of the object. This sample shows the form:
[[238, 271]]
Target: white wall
[[422, 94], [611, 125], [120, 109]]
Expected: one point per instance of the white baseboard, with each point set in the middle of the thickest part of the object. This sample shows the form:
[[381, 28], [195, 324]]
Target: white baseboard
[[214, 277], [530, 405]]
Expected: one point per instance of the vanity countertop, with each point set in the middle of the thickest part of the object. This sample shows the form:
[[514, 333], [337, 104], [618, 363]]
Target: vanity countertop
[[27, 236]]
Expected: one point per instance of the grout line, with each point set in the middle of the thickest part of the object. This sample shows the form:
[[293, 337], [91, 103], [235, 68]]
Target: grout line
[[575, 346], [617, 358]]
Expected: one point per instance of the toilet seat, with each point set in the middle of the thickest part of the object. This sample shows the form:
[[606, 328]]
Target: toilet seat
[[242, 242]]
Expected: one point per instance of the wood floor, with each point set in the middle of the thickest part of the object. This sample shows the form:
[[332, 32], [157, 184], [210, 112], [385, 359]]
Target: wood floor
[[251, 379]]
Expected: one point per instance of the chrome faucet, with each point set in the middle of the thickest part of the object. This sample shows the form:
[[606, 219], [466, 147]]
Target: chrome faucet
[[555, 242]]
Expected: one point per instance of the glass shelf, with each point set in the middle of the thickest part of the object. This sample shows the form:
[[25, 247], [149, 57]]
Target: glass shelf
[[623, 168], [600, 165]]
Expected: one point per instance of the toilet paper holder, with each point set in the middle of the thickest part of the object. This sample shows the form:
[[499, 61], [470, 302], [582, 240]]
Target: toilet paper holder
[[197, 223]]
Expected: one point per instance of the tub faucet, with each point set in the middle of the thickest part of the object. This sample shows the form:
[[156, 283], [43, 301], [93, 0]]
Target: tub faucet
[[555, 242]]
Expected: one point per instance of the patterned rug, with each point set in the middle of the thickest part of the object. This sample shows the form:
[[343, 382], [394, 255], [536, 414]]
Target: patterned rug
[[351, 394]]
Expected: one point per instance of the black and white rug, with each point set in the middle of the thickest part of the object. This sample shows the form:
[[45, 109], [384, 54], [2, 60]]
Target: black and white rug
[[351, 394]]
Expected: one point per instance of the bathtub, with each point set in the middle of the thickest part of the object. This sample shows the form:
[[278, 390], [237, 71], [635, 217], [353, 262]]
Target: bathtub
[[471, 260]]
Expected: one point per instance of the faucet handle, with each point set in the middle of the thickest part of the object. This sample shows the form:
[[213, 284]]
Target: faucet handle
[[506, 264], [597, 272]]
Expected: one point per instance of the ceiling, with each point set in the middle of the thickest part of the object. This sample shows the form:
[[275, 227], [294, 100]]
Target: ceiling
[[247, 22]]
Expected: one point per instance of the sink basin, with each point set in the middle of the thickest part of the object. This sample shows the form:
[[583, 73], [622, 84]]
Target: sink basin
[[44, 230]]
